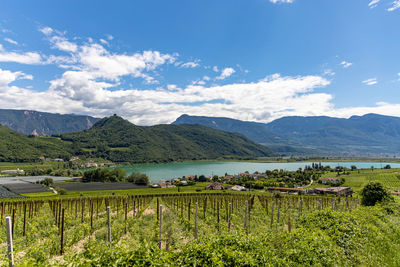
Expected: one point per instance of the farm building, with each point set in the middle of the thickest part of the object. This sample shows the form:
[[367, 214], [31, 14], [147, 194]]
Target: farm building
[[215, 186], [238, 188], [340, 191], [330, 180], [285, 190]]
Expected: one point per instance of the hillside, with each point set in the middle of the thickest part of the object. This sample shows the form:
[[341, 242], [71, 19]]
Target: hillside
[[42, 123], [16, 147], [257, 132], [117, 140], [371, 133]]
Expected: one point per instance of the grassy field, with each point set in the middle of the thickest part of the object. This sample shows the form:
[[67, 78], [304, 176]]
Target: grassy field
[[359, 178]]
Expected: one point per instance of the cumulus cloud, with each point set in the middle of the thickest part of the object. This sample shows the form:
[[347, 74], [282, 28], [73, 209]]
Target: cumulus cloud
[[373, 3], [395, 5], [23, 58], [345, 64], [46, 30], [370, 81], [190, 64], [225, 73], [93, 82], [11, 41]]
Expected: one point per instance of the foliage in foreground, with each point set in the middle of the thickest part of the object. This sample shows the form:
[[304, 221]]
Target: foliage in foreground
[[369, 236], [374, 193]]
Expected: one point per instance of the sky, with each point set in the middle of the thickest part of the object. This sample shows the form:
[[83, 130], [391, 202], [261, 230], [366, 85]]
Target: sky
[[151, 61]]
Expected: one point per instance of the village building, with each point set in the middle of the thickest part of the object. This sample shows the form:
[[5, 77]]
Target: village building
[[58, 160], [75, 158], [286, 190], [191, 177], [215, 186], [330, 180], [238, 188], [339, 191], [90, 164]]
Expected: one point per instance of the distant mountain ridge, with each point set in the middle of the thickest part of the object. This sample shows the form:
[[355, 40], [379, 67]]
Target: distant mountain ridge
[[31, 122], [371, 133], [118, 140]]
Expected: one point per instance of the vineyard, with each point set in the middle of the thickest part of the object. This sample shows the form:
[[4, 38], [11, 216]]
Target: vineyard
[[55, 231]]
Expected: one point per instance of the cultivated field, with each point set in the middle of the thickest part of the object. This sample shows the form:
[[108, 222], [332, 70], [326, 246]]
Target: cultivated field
[[53, 231]]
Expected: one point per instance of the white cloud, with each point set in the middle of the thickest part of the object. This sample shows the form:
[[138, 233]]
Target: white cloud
[[61, 43], [104, 42], [329, 72], [395, 5], [11, 41], [22, 58], [7, 77], [46, 30], [191, 64], [281, 1], [225, 73], [215, 68], [373, 3], [346, 64], [370, 81], [109, 37]]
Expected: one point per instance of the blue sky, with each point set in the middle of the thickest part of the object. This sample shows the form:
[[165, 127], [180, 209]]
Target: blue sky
[[151, 61]]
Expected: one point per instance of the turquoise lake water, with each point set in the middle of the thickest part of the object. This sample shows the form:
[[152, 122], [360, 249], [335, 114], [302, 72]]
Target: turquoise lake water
[[166, 171]]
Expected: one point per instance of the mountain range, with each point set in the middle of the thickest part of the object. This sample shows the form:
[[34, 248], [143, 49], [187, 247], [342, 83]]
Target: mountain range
[[37, 123], [359, 135], [118, 140]]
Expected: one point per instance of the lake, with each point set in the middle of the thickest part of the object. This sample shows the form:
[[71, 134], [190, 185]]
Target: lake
[[166, 171]]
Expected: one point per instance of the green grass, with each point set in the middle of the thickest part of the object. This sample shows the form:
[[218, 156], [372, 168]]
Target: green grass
[[359, 178], [41, 194]]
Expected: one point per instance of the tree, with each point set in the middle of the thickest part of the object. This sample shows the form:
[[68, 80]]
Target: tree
[[373, 193], [138, 179]]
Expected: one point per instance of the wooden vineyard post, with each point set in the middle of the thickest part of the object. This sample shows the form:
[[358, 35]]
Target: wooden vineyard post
[[13, 223], [126, 215], [24, 229], [109, 224], [300, 208], [158, 209], [160, 232], [319, 204], [289, 224], [9, 241], [189, 210], [195, 221], [245, 216], [62, 232], [229, 216], [218, 215], [272, 213], [83, 207], [279, 211], [91, 215]]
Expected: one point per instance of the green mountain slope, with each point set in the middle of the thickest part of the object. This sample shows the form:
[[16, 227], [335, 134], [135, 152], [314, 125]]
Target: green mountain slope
[[117, 140], [16, 147], [42, 123]]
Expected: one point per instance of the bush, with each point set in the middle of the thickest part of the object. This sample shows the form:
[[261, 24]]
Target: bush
[[61, 191], [138, 179], [373, 193]]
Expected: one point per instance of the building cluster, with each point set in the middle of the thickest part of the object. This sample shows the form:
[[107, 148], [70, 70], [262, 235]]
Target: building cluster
[[339, 191]]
